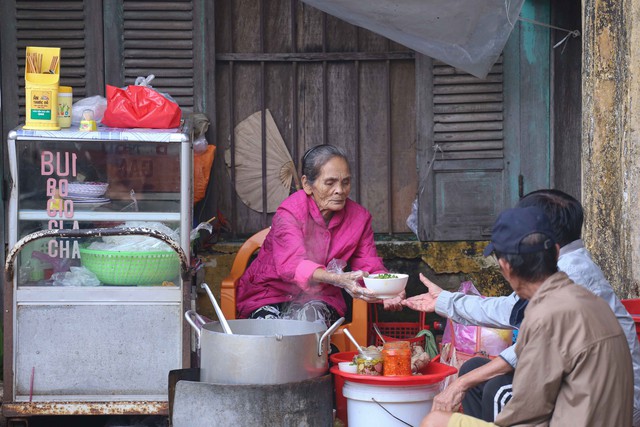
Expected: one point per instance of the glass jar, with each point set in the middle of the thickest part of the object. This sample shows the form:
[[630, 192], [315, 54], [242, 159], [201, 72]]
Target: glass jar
[[396, 357], [369, 362]]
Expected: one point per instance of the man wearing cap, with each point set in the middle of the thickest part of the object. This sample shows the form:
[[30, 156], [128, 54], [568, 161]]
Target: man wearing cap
[[574, 366], [484, 386]]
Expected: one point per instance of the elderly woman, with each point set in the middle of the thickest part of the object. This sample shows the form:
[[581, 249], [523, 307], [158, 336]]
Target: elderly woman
[[314, 233]]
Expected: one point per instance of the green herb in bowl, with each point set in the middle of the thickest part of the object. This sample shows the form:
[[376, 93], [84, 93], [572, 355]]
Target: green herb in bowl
[[386, 276]]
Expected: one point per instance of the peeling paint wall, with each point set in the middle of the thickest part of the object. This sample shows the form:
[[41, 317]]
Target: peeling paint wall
[[610, 139]]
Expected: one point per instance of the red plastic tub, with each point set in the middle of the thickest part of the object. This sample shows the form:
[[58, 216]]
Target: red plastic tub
[[432, 373], [633, 307]]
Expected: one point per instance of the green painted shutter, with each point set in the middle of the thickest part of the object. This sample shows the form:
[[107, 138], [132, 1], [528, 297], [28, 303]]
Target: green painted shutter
[[483, 143], [464, 173]]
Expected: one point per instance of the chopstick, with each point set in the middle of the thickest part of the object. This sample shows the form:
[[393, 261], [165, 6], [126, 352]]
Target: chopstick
[[54, 64], [34, 64], [31, 67]]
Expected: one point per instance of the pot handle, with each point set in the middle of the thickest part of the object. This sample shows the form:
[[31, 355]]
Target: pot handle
[[328, 333], [192, 313]]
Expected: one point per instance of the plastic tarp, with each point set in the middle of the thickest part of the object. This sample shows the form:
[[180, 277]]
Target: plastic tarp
[[466, 34]]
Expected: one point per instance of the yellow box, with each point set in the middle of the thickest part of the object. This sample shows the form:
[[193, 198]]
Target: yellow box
[[42, 78]]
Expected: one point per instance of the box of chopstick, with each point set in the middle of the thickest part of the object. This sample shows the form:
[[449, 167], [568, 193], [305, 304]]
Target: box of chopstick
[[42, 79]]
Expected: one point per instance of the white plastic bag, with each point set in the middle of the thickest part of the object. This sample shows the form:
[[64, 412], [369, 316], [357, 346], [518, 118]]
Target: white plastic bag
[[97, 104], [200, 145], [146, 81], [412, 219]]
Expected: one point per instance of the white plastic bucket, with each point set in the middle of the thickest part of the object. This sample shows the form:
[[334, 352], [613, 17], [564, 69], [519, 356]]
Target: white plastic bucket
[[408, 403]]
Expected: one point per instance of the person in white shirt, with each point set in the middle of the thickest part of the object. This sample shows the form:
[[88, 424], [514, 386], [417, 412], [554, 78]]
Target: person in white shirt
[[484, 386]]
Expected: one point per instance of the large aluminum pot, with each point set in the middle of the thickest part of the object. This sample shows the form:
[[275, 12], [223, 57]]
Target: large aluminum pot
[[262, 351]]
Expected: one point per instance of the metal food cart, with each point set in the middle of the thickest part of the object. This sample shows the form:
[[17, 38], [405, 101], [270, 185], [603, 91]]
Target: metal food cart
[[73, 349]]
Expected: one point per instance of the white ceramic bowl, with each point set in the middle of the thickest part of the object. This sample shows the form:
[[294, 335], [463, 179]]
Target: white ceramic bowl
[[386, 288], [349, 367], [87, 189]]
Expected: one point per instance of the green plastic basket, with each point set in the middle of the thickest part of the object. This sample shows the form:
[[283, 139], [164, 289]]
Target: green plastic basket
[[131, 268]]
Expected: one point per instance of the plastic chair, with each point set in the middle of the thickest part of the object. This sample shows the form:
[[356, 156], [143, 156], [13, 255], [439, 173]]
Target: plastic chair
[[357, 327]]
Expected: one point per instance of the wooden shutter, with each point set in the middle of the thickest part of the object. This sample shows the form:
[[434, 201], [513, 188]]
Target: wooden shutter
[[462, 162], [75, 26], [482, 143], [153, 37]]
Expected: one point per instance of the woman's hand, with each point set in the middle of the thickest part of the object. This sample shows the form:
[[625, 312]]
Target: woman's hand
[[427, 301], [349, 282], [395, 303]]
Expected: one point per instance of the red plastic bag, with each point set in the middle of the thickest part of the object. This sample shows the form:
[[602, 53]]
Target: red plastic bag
[[140, 107]]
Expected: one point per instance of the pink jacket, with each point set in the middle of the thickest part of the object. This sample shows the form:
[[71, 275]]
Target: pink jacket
[[299, 243]]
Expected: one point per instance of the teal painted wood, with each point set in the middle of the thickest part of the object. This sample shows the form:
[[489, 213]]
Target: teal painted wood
[[527, 103], [512, 102], [479, 160], [535, 127]]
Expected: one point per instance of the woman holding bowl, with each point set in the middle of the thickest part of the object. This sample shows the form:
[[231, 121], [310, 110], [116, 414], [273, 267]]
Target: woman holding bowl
[[315, 233]]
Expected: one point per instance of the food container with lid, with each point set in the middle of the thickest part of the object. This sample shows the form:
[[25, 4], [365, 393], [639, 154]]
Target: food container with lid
[[396, 357], [65, 104]]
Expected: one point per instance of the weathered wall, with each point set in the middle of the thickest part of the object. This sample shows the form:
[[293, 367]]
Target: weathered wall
[[610, 134], [631, 155]]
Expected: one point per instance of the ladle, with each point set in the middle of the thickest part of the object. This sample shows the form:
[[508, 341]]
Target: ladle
[[375, 328], [353, 340], [223, 320]]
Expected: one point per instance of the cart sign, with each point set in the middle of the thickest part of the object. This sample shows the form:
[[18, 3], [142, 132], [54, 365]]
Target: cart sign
[[59, 166]]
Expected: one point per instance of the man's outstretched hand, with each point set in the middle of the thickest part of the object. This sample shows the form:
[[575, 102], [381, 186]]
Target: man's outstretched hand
[[427, 301], [395, 304]]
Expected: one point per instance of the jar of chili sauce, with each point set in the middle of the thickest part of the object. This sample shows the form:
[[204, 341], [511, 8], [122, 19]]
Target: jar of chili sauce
[[396, 358]]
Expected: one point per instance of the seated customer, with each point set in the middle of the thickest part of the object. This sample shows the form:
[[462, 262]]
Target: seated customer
[[574, 364], [485, 386], [311, 229]]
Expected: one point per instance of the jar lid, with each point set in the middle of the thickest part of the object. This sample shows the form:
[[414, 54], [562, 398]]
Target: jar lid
[[65, 89], [396, 345], [369, 354]]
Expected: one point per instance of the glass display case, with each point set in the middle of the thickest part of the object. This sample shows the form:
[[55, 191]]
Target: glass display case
[[96, 319]]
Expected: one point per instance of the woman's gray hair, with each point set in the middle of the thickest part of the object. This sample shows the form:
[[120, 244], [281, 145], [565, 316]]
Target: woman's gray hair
[[318, 156]]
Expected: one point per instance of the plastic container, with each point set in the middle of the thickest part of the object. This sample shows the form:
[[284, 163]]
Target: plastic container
[[131, 268], [396, 358], [633, 307], [408, 403], [42, 76], [88, 124], [65, 106], [348, 367], [432, 373], [369, 362]]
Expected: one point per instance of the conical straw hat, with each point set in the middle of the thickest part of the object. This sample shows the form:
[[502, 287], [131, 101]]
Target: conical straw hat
[[248, 163]]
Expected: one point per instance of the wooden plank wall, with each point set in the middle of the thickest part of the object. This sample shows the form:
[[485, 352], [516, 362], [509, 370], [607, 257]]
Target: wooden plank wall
[[324, 81], [567, 99]]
